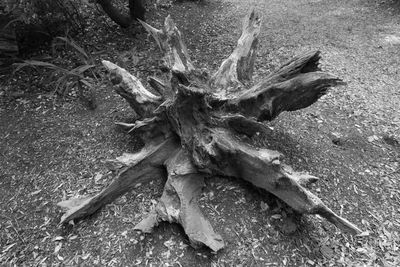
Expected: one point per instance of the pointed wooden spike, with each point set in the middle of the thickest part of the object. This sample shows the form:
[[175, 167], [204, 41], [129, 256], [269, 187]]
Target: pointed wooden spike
[[238, 67], [176, 56], [136, 88], [124, 125], [142, 101], [156, 33], [338, 221]]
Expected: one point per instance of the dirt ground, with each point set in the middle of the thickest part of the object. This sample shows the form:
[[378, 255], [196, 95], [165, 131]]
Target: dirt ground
[[54, 149]]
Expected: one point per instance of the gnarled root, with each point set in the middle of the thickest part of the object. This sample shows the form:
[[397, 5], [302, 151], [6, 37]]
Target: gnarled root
[[139, 167], [178, 204], [227, 155], [297, 84], [195, 125]]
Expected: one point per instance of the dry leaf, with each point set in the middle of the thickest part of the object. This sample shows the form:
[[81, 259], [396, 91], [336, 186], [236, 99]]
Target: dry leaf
[[264, 206], [276, 216], [326, 251], [58, 238], [365, 233], [36, 192], [57, 248]]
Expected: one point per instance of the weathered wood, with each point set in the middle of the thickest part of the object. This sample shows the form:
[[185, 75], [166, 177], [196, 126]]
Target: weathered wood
[[130, 88], [169, 39], [178, 204], [162, 88], [237, 69], [227, 155], [296, 85], [143, 166], [201, 125]]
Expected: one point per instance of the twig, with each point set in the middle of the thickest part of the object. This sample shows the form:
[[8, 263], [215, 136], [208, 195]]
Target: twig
[[390, 173], [12, 226], [374, 216]]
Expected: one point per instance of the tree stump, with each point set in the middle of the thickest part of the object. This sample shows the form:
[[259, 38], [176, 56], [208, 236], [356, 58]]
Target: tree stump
[[198, 125]]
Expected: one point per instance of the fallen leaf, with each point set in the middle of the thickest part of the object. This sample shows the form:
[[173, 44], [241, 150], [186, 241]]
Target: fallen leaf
[[58, 238], [57, 248], [276, 216], [36, 192], [264, 206], [362, 250], [365, 233], [372, 138], [98, 177], [124, 234], [326, 251]]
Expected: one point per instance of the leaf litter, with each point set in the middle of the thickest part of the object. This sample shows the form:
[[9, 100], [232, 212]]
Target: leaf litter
[[362, 117]]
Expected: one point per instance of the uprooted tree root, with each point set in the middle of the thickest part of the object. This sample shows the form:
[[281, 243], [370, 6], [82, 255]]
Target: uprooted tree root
[[195, 127]]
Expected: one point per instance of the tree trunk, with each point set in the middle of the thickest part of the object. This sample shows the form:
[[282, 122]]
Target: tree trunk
[[136, 11], [195, 126]]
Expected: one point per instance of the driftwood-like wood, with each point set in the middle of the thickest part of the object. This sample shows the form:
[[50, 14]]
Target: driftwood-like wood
[[132, 169], [238, 67], [178, 204], [195, 127], [169, 40]]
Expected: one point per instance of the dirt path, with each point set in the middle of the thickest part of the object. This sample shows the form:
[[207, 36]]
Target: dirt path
[[349, 139]]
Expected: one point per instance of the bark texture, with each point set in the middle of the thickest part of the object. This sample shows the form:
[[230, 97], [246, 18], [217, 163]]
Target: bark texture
[[136, 11], [194, 127]]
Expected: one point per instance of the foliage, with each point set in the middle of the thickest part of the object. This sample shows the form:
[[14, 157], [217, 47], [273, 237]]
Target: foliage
[[59, 41], [45, 12], [64, 79]]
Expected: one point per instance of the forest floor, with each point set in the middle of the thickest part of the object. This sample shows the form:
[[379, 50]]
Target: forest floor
[[52, 149]]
